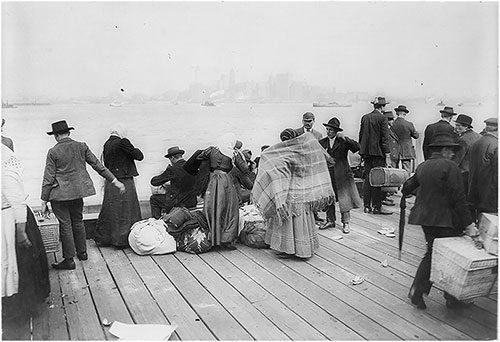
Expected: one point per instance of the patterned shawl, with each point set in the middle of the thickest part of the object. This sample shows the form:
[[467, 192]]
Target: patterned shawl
[[292, 177]]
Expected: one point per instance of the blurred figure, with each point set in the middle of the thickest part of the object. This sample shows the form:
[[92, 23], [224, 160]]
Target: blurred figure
[[393, 140], [257, 159], [292, 182], [65, 183], [119, 212], [337, 146], [307, 126], [466, 138], [221, 197], [244, 181], [375, 151], [5, 140], [405, 131], [441, 126], [25, 274], [483, 178], [177, 183]]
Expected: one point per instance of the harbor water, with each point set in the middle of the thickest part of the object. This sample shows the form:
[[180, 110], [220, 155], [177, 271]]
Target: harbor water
[[153, 127]]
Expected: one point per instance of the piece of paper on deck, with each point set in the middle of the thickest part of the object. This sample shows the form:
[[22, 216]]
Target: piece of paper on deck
[[142, 332]]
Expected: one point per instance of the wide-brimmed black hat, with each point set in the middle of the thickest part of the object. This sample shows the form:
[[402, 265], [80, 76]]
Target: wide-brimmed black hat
[[443, 140], [389, 115], [333, 123], [464, 120], [60, 127], [380, 101], [491, 122], [401, 108], [172, 151], [448, 110]]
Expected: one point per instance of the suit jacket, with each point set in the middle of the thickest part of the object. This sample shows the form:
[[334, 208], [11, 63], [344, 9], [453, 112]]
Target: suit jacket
[[442, 126], [66, 177], [440, 200], [119, 155], [394, 145], [462, 157], [316, 134], [374, 135], [405, 130], [181, 190], [483, 176], [341, 173]]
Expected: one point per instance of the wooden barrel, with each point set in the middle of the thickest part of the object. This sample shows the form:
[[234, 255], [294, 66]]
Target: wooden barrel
[[387, 177]]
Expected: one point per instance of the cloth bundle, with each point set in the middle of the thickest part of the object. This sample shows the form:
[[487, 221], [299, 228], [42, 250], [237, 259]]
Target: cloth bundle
[[196, 236], [150, 237]]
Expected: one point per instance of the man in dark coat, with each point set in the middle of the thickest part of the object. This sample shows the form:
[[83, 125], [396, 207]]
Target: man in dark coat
[[442, 126], [405, 130], [179, 192], [337, 146], [393, 139], [483, 177], [374, 148], [466, 137], [65, 183], [440, 208]]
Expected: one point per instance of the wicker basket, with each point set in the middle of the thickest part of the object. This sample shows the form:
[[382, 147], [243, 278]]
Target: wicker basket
[[461, 269], [49, 229]]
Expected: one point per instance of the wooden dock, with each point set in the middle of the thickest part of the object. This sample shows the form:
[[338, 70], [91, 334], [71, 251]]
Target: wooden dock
[[252, 294]]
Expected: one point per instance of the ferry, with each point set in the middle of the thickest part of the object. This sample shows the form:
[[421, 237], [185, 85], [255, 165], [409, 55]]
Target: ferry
[[331, 104]]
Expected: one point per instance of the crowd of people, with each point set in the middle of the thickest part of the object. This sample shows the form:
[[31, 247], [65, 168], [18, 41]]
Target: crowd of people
[[290, 183]]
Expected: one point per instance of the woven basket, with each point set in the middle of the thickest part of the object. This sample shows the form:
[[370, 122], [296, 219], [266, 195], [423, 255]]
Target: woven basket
[[461, 269], [49, 230]]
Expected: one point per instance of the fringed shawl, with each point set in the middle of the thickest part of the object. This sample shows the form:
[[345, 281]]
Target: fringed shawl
[[292, 177]]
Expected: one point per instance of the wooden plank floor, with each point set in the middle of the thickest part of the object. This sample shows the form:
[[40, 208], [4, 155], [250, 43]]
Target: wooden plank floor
[[251, 294]]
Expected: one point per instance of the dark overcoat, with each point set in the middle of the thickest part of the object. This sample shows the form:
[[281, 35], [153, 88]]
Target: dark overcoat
[[181, 190], [483, 176], [394, 146], [119, 155], [442, 126], [462, 157], [340, 174], [440, 200], [374, 135], [405, 130]]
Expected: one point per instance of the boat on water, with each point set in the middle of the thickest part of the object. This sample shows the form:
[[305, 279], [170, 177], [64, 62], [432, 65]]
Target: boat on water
[[331, 104], [440, 103], [115, 104], [208, 104], [6, 104]]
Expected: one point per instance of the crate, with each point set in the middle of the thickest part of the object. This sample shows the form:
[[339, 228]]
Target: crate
[[461, 269], [387, 177], [488, 229], [49, 229]]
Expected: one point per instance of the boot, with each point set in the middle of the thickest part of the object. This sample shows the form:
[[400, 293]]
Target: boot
[[66, 264]]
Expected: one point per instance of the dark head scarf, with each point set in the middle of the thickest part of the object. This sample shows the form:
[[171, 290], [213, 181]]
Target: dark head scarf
[[288, 134]]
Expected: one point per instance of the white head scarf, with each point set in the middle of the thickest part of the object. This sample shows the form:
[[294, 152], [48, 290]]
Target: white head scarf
[[119, 130], [226, 144]]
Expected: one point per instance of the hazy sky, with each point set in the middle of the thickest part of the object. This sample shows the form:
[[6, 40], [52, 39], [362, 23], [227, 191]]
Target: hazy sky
[[399, 48]]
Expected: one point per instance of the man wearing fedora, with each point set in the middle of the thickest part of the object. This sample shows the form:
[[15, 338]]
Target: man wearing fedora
[[483, 176], [337, 145], [374, 149], [179, 185], [440, 208], [405, 131], [441, 126], [466, 137], [307, 126], [65, 183]]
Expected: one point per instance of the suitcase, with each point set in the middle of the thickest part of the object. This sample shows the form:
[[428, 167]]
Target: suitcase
[[389, 179], [488, 229]]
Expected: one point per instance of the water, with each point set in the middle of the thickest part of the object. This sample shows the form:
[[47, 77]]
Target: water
[[154, 127]]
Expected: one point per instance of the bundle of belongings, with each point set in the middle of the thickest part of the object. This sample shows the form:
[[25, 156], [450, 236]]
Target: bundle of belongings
[[189, 229], [252, 227], [150, 237]]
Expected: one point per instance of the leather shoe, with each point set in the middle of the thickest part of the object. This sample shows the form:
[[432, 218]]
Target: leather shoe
[[388, 203], [381, 212], [66, 264], [367, 210], [82, 256], [452, 303], [346, 229], [327, 225]]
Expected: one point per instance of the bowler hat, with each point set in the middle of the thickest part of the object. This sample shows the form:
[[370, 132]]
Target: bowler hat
[[172, 151], [443, 140], [308, 116], [464, 120], [379, 100], [60, 127], [448, 110], [401, 108], [491, 122], [389, 115], [333, 123]]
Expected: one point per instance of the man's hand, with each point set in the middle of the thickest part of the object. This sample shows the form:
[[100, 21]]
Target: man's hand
[[45, 209], [388, 160], [21, 236], [471, 230]]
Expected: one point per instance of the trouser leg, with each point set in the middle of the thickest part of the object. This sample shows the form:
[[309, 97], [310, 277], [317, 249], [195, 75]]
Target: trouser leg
[[406, 165], [79, 236], [62, 213], [157, 202], [330, 213], [346, 217]]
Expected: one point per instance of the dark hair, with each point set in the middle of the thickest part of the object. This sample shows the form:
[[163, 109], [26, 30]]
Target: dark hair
[[288, 134], [378, 105]]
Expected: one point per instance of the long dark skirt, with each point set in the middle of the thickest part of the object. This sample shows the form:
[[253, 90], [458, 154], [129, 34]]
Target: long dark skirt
[[34, 284], [221, 208], [118, 214]]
